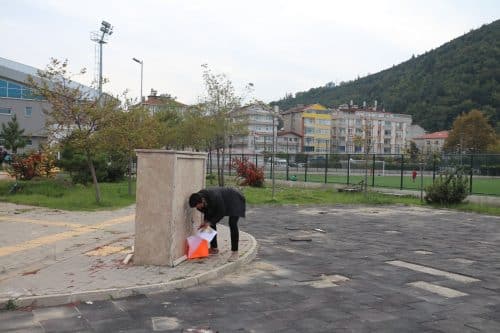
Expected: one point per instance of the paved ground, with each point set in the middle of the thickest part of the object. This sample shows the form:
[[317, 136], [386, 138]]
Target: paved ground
[[366, 269], [50, 257]]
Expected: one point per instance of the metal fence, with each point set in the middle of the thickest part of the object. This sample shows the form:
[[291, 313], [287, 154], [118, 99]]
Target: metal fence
[[391, 171]]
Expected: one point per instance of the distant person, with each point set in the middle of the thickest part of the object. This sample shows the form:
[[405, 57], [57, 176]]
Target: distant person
[[215, 203], [413, 175]]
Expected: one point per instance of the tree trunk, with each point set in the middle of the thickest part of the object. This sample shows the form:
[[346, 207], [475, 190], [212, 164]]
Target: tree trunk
[[218, 167], [94, 179], [222, 169]]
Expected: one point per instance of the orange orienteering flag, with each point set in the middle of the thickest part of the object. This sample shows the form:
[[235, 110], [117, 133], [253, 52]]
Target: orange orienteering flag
[[197, 247]]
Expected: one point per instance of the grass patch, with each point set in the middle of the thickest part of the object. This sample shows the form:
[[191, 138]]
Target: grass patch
[[294, 195], [58, 194], [66, 196]]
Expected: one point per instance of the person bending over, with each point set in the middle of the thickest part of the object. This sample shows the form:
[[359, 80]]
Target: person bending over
[[215, 203]]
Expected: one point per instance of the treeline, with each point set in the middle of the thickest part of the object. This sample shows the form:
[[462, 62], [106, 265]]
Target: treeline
[[434, 88]]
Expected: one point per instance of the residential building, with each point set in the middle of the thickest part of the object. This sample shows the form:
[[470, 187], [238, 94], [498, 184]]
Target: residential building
[[155, 102], [355, 129], [288, 142], [431, 142], [258, 120], [313, 124]]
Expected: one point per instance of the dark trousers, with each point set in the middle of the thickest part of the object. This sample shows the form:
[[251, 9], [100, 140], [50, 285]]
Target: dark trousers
[[235, 234]]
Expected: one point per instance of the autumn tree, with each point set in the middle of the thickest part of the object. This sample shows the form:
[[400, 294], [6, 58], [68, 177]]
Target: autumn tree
[[219, 101], [77, 112], [13, 135], [471, 132]]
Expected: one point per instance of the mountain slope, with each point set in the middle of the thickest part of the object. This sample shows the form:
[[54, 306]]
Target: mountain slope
[[434, 88]]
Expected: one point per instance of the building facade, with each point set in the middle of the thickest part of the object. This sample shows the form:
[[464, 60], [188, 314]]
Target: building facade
[[17, 100], [288, 142], [313, 124], [357, 130], [155, 103], [257, 119], [431, 143]]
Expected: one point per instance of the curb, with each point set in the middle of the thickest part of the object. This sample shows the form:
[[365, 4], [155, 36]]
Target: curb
[[107, 294]]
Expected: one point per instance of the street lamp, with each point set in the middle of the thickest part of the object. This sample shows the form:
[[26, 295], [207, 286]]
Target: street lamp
[[142, 64]]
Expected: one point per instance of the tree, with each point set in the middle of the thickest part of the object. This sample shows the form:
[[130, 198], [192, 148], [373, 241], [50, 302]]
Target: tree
[[77, 113], [13, 135], [219, 101], [413, 151], [127, 131], [366, 142], [471, 132]]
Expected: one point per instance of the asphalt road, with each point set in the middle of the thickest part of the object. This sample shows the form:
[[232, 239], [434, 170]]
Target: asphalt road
[[364, 269]]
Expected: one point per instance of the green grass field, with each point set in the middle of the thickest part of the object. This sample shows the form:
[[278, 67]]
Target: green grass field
[[480, 185], [66, 196]]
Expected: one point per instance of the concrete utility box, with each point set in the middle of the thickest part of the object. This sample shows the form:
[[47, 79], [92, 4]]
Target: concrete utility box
[[165, 179]]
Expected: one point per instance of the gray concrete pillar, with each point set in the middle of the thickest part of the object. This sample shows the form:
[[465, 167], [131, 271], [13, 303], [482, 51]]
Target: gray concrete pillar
[[163, 218]]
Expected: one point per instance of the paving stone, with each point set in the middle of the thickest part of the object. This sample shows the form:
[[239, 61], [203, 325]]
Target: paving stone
[[71, 324], [277, 293]]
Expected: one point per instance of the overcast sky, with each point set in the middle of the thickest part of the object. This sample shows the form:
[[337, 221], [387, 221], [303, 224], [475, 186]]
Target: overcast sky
[[281, 46]]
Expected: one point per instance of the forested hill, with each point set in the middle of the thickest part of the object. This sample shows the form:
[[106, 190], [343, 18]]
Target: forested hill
[[434, 87]]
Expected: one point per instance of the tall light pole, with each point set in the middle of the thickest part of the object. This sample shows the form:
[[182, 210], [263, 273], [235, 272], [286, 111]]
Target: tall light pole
[[141, 62], [274, 113], [106, 30]]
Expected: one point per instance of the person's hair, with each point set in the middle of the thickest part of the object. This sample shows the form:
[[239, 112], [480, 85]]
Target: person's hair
[[194, 199]]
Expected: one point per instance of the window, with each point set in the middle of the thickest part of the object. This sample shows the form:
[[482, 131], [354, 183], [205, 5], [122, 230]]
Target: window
[[29, 142], [28, 111], [6, 111], [3, 88]]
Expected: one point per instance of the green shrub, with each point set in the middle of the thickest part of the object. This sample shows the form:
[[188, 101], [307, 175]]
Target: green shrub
[[108, 168], [449, 188]]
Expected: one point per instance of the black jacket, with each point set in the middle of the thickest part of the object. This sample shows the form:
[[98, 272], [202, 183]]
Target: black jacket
[[222, 201]]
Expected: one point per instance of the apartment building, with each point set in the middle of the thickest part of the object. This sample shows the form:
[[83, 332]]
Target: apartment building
[[431, 142], [155, 103], [355, 129], [313, 124], [258, 121], [288, 142]]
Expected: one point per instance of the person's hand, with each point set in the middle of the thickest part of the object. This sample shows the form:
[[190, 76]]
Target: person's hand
[[204, 225]]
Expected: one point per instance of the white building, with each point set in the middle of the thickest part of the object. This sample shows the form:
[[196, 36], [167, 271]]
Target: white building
[[354, 128], [431, 142], [258, 121]]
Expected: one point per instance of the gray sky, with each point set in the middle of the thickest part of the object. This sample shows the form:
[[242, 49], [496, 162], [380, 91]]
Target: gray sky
[[281, 46]]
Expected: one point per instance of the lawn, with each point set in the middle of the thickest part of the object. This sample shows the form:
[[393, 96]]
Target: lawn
[[480, 184], [63, 195]]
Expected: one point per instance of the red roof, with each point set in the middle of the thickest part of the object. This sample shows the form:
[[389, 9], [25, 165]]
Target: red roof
[[435, 135]]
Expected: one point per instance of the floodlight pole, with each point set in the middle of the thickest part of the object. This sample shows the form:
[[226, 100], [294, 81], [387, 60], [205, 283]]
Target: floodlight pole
[[141, 62], [106, 29]]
